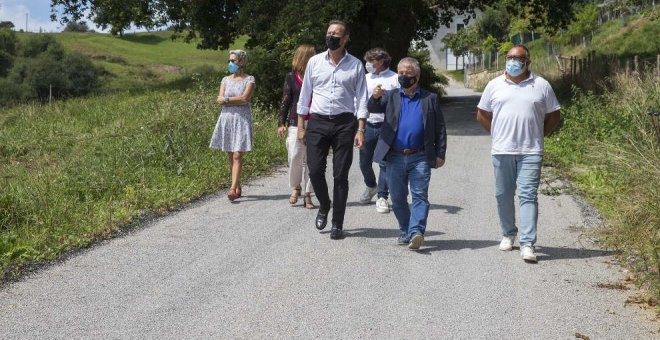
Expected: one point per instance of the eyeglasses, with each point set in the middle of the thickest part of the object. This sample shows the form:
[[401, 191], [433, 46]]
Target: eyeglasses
[[516, 58]]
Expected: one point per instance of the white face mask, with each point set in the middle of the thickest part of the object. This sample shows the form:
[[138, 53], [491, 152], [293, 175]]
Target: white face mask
[[370, 67]]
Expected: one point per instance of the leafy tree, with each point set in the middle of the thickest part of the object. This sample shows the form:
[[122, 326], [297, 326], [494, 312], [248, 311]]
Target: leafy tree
[[73, 26], [541, 15], [585, 22], [275, 28], [494, 22], [464, 41], [6, 24]]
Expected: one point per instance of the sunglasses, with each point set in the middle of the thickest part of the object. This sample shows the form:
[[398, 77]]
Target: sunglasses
[[516, 58], [233, 61]]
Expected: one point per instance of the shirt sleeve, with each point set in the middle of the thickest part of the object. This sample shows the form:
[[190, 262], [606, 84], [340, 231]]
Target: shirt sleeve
[[361, 93], [484, 102], [305, 97], [551, 102], [286, 103], [250, 79]]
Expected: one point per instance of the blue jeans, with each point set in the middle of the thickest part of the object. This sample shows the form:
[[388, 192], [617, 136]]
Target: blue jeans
[[366, 159], [524, 173], [413, 170]]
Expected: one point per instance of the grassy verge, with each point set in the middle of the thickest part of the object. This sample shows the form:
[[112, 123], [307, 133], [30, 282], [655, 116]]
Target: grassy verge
[[80, 170], [458, 75], [610, 147]]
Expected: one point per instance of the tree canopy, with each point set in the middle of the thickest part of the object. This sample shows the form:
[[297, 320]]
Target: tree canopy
[[275, 28]]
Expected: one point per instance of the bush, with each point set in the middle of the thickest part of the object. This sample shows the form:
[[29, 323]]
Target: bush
[[6, 61], [10, 92], [429, 79], [76, 27], [610, 146], [7, 41], [36, 44]]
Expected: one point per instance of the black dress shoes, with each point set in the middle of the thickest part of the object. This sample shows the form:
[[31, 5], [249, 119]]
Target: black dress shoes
[[336, 232], [322, 217]]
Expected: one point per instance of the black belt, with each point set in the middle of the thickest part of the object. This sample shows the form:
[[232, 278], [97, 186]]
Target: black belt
[[406, 151], [331, 117], [375, 124]]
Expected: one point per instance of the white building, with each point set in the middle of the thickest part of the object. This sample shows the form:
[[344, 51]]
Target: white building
[[444, 59]]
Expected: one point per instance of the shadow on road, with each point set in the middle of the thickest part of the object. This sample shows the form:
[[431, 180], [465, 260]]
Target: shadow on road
[[451, 209], [381, 233], [246, 198], [439, 245], [460, 116], [561, 253]]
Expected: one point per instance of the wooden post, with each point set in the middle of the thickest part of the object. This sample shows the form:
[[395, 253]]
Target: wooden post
[[579, 62], [573, 67], [637, 64], [50, 94], [627, 67]]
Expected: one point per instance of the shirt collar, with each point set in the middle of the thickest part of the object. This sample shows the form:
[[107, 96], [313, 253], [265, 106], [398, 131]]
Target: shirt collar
[[531, 77], [418, 92], [327, 56]]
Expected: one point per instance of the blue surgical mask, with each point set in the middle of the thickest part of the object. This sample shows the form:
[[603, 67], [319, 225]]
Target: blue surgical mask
[[232, 68], [514, 67]]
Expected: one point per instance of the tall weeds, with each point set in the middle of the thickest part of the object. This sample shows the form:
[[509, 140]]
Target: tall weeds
[[80, 170], [610, 145]]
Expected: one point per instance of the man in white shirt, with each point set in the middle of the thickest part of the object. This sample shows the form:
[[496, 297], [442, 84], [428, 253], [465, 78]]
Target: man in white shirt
[[518, 108], [379, 79], [334, 90]]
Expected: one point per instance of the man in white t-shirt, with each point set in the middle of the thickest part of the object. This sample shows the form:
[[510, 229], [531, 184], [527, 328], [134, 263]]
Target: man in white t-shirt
[[379, 79], [518, 108]]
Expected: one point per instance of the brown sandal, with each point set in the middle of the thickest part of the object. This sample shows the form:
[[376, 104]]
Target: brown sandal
[[293, 199], [232, 195], [308, 201]]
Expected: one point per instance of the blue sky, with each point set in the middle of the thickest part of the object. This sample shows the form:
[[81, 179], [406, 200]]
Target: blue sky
[[38, 15]]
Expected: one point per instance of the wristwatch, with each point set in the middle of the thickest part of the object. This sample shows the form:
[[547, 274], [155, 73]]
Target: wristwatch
[[226, 99], [361, 130]]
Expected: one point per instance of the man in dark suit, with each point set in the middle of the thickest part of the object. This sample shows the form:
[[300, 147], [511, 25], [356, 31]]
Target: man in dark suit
[[413, 139]]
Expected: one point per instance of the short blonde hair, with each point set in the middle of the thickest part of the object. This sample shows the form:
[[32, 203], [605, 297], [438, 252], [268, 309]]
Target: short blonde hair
[[301, 57], [240, 55]]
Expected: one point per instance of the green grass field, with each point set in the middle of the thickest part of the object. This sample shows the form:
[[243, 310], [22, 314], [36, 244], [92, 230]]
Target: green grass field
[[79, 170], [144, 60]]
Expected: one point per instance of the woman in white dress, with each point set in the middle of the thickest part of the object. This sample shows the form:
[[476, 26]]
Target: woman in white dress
[[233, 131]]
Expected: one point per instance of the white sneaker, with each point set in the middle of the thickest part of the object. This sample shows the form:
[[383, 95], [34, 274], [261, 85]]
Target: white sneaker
[[382, 206], [527, 253], [507, 243], [416, 241], [368, 194]]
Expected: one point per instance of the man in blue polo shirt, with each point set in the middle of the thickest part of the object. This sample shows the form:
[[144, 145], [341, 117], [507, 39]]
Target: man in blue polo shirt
[[413, 140]]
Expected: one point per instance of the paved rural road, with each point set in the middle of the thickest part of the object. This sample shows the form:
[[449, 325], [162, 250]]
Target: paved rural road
[[259, 269]]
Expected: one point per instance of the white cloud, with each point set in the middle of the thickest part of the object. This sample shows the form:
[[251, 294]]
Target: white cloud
[[38, 16]]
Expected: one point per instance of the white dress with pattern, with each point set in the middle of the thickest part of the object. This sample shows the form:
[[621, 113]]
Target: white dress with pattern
[[233, 131]]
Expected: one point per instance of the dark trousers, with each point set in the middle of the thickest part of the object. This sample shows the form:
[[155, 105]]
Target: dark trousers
[[338, 133], [367, 158]]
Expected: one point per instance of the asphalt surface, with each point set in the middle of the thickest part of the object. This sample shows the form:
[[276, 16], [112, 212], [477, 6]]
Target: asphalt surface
[[258, 268]]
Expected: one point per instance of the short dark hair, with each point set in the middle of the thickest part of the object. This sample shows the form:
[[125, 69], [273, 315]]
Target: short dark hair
[[524, 48], [378, 54], [339, 22]]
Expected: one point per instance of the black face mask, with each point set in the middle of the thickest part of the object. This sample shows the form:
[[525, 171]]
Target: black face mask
[[332, 42], [406, 81]]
